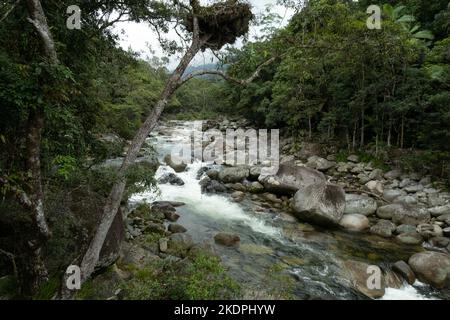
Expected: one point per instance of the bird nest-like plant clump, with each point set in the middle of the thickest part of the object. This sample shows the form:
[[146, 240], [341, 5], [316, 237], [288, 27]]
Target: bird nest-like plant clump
[[223, 22]]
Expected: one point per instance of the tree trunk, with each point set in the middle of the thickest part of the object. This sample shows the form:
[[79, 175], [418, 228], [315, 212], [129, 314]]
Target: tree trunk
[[402, 135], [33, 270], [111, 207], [362, 127], [310, 127]]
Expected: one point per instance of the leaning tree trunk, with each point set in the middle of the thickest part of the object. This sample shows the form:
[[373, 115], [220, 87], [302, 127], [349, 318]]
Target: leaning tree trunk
[[112, 205], [33, 271]]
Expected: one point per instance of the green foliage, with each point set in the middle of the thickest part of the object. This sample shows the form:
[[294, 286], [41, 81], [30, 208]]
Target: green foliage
[[49, 289], [337, 80], [8, 287], [203, 278]]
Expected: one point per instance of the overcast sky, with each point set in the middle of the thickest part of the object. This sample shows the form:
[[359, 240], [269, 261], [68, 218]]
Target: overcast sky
[[137, 36]]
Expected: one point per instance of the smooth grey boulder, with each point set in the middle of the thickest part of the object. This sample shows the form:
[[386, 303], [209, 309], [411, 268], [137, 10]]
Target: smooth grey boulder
[[234, 174], [432, 268], [360, 204], [320, 203], [175, 164], [291, 178], [320, 164]]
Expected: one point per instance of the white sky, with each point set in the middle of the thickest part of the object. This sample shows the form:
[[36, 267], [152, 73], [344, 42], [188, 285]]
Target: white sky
[[137, 35]]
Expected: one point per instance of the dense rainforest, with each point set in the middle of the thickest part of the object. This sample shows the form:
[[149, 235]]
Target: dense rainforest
[[324, 77]]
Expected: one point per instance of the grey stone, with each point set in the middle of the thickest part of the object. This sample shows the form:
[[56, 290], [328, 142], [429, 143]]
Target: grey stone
[[320, 203], [402, 268], [383, 228], [354, 222], [432, 268], [360, 204]]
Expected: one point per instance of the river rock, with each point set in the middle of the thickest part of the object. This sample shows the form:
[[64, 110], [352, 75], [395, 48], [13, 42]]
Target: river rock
[[227, 239], [238, 196], [213, 174], [446, 232], [234, 174], [255, 187], [392, 175], [392, 194], [167, 209], [320, 203], [405, 228], [358, 273], [412, 238], [429, 230], [440, 242], [319, 163], [360, 204], [131, 254], [414, 188], [402, 268], [375, 187], [171, 178], [408, 200], [376, 174], [290, 179], [410, 215], [211, 186], [387, 212], [439, 211], [309, 149], [176, 228], [353, 158], [254, 173], [354, 222], [383, 228], [432, 268], [175, 164], [163, 244]]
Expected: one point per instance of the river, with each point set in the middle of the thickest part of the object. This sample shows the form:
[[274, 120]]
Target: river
[[278, 257]]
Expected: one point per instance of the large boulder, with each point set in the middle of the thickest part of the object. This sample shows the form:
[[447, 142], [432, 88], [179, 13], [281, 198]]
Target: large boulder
[[227, 239], [359, 275], [410, 215], [171, 178], [320, 203], [175, 164], [291, 178], [360, 204], [354, 222], [211, 186], [234, 174], [309, 149], [320, 164], [432, 268], [402, 268], [404, 214]]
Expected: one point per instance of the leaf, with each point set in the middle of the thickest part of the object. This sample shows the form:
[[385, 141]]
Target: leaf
[[406, 19], [424, 34], [396, 12]]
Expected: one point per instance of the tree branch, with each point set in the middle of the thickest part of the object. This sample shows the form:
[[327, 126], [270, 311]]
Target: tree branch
[[9, 11], [227, 77]]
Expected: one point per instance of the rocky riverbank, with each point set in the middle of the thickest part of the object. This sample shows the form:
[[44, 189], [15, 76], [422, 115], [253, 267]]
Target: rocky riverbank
[[357, 197]]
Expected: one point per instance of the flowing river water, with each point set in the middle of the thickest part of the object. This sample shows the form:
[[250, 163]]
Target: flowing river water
[[278, 257]]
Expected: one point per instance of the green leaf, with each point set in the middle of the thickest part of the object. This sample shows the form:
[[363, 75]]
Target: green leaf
[[406, 19], [424, 34]]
